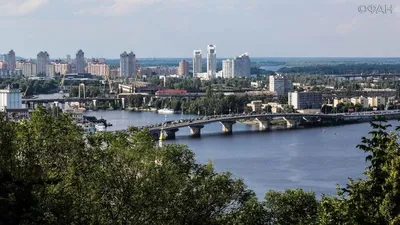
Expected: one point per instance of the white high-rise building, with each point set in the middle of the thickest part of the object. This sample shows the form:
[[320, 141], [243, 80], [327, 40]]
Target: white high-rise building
[[50, 70], [127, 64], [80, 61], [211, 61], [29, 69], [62, 68], [98, 68], [197, 65], [227, 69], [280, 84], [43, 59], [241, 66], [10, 60]]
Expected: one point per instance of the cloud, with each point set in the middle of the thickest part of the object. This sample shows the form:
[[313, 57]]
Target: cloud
[[20, 8]]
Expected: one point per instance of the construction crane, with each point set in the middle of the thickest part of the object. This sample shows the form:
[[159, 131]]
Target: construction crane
[[26, 90], [107, 78], [62, 84]]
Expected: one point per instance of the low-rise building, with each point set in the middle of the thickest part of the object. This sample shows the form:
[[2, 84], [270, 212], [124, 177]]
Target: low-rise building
[[257, 84], [77, 114], [337, 101], [11, 103], [275, 107], [305, 100], [256, 106], [360, 101], [376, 101]]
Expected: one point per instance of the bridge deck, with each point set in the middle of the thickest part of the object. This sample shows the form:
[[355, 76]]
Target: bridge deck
[[212, 119]]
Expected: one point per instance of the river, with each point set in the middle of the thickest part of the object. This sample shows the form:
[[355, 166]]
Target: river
[[313, 159]]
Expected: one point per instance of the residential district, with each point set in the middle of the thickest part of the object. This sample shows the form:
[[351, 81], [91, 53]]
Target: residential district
[[125, 81]]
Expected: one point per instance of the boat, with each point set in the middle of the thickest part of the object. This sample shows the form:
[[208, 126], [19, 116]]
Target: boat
[[166, 111], [87, 128], [100, 127]]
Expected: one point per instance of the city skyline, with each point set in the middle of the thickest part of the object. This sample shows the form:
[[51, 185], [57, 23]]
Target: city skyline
[[265, 28]]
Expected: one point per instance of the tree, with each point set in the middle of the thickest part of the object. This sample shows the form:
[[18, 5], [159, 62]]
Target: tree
[[292, 207], [51, 174], [374, 200]]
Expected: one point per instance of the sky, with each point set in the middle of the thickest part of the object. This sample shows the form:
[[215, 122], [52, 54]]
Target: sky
[[174, 28]]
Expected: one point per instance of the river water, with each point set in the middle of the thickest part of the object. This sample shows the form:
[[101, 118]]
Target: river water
[[313, 159]]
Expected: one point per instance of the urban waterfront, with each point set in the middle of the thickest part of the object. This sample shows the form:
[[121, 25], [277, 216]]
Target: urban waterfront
[[313, 159]]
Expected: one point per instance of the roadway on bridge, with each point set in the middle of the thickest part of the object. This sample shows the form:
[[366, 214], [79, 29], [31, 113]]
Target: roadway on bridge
[[170, 125]]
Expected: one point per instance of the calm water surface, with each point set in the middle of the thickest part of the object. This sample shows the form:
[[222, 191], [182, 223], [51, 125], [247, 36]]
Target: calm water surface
[[313, 159]]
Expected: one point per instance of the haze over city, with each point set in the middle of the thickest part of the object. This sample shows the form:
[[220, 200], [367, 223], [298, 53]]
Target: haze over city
[[173, 28]]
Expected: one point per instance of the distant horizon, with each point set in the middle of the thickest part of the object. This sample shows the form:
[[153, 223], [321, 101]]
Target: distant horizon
[[221, 58]]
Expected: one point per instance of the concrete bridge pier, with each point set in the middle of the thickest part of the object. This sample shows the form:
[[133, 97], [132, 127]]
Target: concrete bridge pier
[[263, 124], [291, 123], [195, 130], [123, 103], [227, 126], [170, 134], [94, 104]]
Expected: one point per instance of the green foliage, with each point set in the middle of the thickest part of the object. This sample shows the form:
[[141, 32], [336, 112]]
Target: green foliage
[[51, 174], [374, 200], [292, 207]]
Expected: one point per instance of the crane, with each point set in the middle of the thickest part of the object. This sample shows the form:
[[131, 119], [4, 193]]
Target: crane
[[26, 90], [62, 84], [107, 78]]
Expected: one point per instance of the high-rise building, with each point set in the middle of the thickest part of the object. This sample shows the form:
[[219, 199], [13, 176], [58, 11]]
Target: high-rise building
[[43, 59], [211, 61], [10, 60], [305, 100], [127, 64], [241, 66], [98, 68], [227, 69], [115, 73], [50, 70], [197, 65], [183, 69], [80, 61], [29, 69], [62, 68], [280, 84], [68, 59]]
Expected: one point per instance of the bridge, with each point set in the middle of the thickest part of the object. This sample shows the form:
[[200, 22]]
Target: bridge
[[365, 76], [33, 102], [64, 100], [169, 128]]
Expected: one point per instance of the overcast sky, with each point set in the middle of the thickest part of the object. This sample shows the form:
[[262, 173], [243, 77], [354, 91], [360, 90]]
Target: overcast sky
[[174, 28]]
